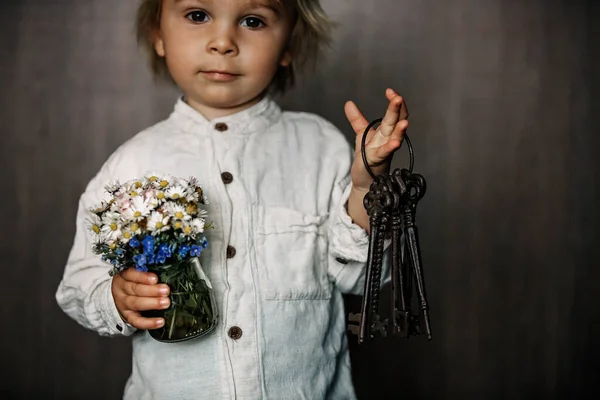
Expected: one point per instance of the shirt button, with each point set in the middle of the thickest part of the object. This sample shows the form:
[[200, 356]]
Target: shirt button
[[341, 260], [221, 127], [227, 178], [119, 328], [231, 251], [235, 332]]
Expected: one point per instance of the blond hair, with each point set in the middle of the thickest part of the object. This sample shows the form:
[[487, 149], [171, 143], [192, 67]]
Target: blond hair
[[310, 36]]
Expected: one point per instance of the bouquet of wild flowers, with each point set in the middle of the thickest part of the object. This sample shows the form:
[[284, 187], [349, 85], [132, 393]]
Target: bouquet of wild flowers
[[157, 223]]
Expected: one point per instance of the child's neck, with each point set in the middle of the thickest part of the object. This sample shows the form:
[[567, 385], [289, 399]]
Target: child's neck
[[211, 113]]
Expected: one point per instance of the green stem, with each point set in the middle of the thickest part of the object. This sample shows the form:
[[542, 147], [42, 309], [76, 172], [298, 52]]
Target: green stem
[[172, 322]]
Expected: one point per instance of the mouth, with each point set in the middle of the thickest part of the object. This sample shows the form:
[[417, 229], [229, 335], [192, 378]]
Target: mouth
[[219, 75]]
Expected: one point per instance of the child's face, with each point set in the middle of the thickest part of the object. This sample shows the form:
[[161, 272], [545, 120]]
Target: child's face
[[223, 54]]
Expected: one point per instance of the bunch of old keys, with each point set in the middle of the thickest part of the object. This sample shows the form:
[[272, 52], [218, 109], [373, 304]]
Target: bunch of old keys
[[391, 205]]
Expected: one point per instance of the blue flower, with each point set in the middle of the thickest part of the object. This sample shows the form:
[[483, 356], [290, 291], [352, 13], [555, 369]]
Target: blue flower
[[204, 243], [148, 241], [148, 251], [140, 260], [164, 250], [119, 251], [183, 250], [150, 259], [195, 251], [160, 259], [142, 269], [134, 242]]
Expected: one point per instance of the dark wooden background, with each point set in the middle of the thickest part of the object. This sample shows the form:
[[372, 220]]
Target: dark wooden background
[[504, 102]]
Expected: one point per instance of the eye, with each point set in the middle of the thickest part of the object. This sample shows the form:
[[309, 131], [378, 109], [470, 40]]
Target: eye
[[197, 16], [252, 23]]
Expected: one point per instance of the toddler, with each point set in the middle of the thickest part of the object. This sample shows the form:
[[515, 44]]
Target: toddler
[[285, 189]]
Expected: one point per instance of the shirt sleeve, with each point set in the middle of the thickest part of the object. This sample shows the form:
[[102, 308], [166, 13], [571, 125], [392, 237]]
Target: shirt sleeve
[[84, 293], [348, 242]]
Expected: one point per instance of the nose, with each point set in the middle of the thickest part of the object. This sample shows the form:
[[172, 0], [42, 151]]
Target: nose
[[223, 41]]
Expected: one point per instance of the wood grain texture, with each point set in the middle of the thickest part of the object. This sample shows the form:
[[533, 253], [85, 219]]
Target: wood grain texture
[[502, 98]]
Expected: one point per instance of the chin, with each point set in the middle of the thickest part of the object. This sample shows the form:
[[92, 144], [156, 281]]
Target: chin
[[218, 99]]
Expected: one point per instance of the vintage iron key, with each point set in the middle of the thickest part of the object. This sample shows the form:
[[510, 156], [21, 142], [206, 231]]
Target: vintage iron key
[[407, 265], [391, 206]]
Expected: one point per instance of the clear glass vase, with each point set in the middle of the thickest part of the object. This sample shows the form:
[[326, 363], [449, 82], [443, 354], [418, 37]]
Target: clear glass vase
[[193, 311]]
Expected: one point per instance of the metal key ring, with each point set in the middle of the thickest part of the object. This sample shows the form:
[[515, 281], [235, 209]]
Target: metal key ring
[[364, 155]]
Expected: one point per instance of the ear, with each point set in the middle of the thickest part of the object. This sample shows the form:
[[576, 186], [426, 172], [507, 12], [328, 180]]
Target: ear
[[286, 59], [159, 44]]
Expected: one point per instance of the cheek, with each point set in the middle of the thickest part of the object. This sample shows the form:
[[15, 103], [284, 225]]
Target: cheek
[[180, 58], [265, 58]]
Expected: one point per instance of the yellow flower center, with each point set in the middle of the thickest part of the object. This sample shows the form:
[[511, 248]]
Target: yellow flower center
[[113, 226], [159, 225], [138, 184], [187, 230], [133, 194], [178, 225], [134, 227], [160, 195], [126, 235], [112, 246], [153, 178], [179, 214], [96, 228], [164, 183], [175, 196], [137, 214], [191, 209]]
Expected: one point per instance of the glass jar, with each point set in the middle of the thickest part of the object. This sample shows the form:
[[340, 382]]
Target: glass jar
[[193, 311]]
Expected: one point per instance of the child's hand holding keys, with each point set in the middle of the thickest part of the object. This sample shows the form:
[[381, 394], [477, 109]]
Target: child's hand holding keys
[[380, 143], [135, 291]]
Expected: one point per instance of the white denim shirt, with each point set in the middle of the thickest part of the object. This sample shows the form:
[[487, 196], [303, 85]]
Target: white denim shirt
[[297, 251]]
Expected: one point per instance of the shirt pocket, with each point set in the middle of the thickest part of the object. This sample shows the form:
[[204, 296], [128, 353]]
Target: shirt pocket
[[291, 254]]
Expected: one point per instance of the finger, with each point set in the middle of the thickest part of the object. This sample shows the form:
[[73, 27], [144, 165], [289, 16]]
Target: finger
[[399, 131], [135, 303], [392, 115], [390, 93], [135, 319], [144, 290], [356, 118], [133, 275], [380, 154]]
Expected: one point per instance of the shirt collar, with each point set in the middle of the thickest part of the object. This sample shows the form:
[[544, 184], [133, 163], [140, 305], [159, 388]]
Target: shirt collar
[[253, 119]]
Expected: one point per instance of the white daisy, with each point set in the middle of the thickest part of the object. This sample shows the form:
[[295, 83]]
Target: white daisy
[[201, 213], [137, 210], [191, 194], [126, 235], [160, 196], [175, 192], [187, 229], [153, 177], [113, 187], [93, 223], [177, 224], [192, 182], [134, 187], [198, 225], [178, 211], [111, 228], [164, 182], [158, 222], [135, 228], [100, 208]]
